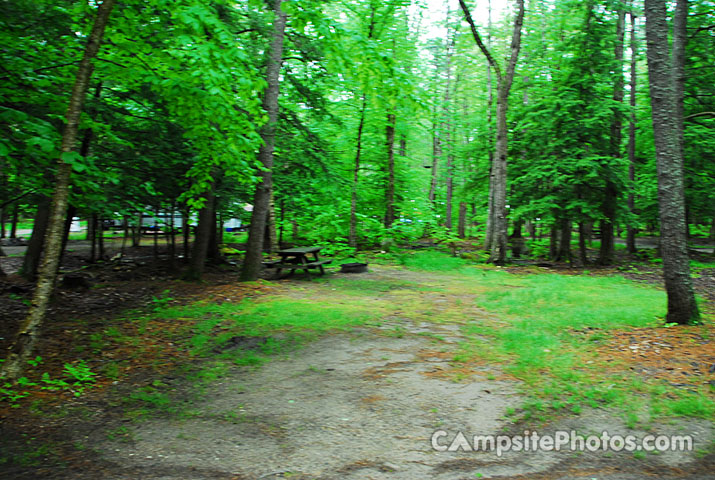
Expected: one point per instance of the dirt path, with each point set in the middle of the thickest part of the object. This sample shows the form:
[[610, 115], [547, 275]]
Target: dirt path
[[366, 404]]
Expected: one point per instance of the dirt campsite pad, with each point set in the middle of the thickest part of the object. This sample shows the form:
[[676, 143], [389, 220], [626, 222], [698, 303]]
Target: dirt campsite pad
[[382, 392]]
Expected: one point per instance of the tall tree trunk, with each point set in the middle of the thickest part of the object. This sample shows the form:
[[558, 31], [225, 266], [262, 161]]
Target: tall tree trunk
[[155, 237], [553, 242], [499, 246], [583, 256], [680, 41], [565, 242], [71, 212], [462, 223], [3, 219], [137, 232], [262, 196], [631, 235], [489, 234], [610, 199], [281, 228], [92, 233], [352, 234], [270, 243], [682, 308], [213, 252], [171, 244], [390, 190], [517, 239], [100, 239], [186, 231], [35, 247], [14, 221], [125, 235], [202, 238], [447, 122], [27, 335], [436, 154]]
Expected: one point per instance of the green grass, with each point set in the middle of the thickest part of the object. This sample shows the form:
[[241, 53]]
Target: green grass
[[212, 324], [552, 303], [359, 286], [431, 260]]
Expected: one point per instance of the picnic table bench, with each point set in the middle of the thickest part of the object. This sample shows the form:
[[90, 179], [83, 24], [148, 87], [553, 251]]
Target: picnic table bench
[[297, 259]]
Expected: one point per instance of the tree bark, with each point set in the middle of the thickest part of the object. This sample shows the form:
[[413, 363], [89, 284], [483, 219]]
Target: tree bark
[[553, 242], [270, 243], [499, 246], [213, 252], [137, 232], [564, 253], [71, 212], [15, 219], [489, 234], [27, 335], [447, 122], [35, 247], [611, 194], [582, 244], [436, 151], [204, 229], [517, 239], [186, 231], [390, 190], [631, 235], [680, 41], [262, 196], [682, 308], [93, 226], [352, 234], [462, 222]]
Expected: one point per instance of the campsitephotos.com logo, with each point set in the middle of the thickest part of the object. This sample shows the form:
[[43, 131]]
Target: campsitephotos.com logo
[[532, 441]]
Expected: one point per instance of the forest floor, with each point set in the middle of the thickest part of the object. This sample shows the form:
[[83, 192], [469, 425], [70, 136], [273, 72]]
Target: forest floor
[[343, 377]]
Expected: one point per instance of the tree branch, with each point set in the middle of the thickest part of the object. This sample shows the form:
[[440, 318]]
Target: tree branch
[[478, 39], [43, 68], [13, 200], [701, 114]]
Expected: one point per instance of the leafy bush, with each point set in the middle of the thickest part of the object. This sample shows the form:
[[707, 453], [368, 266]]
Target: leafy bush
[[539, 248]]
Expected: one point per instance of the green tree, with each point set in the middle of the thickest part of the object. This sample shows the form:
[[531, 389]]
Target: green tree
[[682, 307], [27, 336]]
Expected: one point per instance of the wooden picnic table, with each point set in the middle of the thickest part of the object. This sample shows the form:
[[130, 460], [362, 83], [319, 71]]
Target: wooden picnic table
[[298, 259]]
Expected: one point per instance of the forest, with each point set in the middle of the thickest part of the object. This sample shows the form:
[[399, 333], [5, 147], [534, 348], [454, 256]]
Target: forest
[[362, 124], [531, 182]]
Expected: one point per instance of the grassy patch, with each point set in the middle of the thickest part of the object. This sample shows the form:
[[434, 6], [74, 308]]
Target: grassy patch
[[547, 332], [282, 321], [359, 286], [553, 303], [431, 260]]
